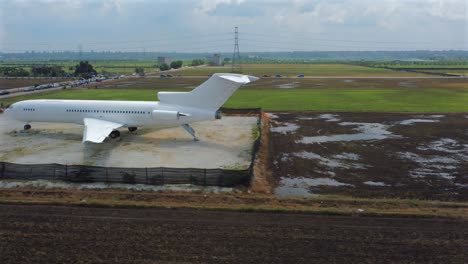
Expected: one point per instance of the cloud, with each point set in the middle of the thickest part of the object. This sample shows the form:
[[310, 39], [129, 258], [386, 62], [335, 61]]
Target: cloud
[[206, 6], [438, 23], [334, 13], [112, 6], [449, 9]]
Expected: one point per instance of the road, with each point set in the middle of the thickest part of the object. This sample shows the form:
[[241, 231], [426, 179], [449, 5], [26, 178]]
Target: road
[[14, 92], [17, 92], [65, 234]]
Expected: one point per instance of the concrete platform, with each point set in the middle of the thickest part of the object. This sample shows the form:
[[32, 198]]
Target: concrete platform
[[224, 143]]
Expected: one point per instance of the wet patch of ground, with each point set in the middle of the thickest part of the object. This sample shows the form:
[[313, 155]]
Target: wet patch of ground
[[422, 156]]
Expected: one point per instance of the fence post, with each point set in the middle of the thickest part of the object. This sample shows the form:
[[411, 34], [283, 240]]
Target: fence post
[[162, 175], [66, 172], [146, 172], [190, 171], [3, 169], [204, 177], [107, 176], [221, 180], [53, 177]]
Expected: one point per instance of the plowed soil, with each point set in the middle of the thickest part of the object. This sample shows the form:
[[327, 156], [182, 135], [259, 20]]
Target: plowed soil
[[66, 234]]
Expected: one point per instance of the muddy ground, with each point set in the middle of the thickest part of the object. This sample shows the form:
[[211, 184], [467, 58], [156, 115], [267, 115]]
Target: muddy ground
[[65, 234], [225, 143], [187, 83], [422, 156]]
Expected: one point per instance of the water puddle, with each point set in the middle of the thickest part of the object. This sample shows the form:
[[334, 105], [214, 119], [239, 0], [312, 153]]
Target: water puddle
[[348, 81], [445, 165], [430, 161], [285, 128], [285, 157], [287, 85], [327, 117], [438, 166], [373, 183], [347, 156], [340, 161], [330, 117], [448, 145], [431, 116], [272, 116], [413, 121], [368, 131], [300, 186], [407, 84], [423, 173]]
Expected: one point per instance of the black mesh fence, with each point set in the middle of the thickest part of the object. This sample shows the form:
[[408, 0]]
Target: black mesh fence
[[150, 176]]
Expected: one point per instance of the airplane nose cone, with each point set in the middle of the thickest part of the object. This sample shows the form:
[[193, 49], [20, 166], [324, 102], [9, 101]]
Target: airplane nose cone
[[8, 111]]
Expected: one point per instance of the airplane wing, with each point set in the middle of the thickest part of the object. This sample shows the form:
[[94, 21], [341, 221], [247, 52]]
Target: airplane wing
[[97, 130]]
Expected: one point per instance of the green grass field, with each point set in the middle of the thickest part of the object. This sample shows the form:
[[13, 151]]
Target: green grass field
[[324, 99], [293, 70], [321, 94], [457, 67]]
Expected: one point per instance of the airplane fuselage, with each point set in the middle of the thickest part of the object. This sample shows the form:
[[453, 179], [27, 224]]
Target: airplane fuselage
[[101, 119], [128, 113]]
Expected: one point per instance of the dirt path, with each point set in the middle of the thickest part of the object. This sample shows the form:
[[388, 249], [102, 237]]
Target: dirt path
[[62, 234]]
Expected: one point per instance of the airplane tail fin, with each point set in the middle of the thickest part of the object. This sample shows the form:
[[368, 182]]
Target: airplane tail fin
[[211, 94]]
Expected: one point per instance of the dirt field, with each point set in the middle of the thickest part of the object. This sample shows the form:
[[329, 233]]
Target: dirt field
[[224, 143], [56, 234], [187, 83], [371, 155]]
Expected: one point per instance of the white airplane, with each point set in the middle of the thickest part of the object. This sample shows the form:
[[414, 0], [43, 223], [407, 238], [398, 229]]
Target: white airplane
[[102, 118]]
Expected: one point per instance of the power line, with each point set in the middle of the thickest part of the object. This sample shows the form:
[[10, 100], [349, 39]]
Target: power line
[[219, 41], [179, 38], [303, 44], [340, 40]]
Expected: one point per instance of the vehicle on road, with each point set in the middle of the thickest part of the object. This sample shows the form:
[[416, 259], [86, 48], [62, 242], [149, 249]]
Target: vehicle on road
[[29, 89]]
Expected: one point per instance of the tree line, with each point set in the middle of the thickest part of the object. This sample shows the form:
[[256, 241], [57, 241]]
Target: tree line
[[84, 69]]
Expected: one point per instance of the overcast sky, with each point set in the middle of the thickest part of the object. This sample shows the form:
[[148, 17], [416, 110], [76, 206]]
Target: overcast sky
[[208, 25]]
